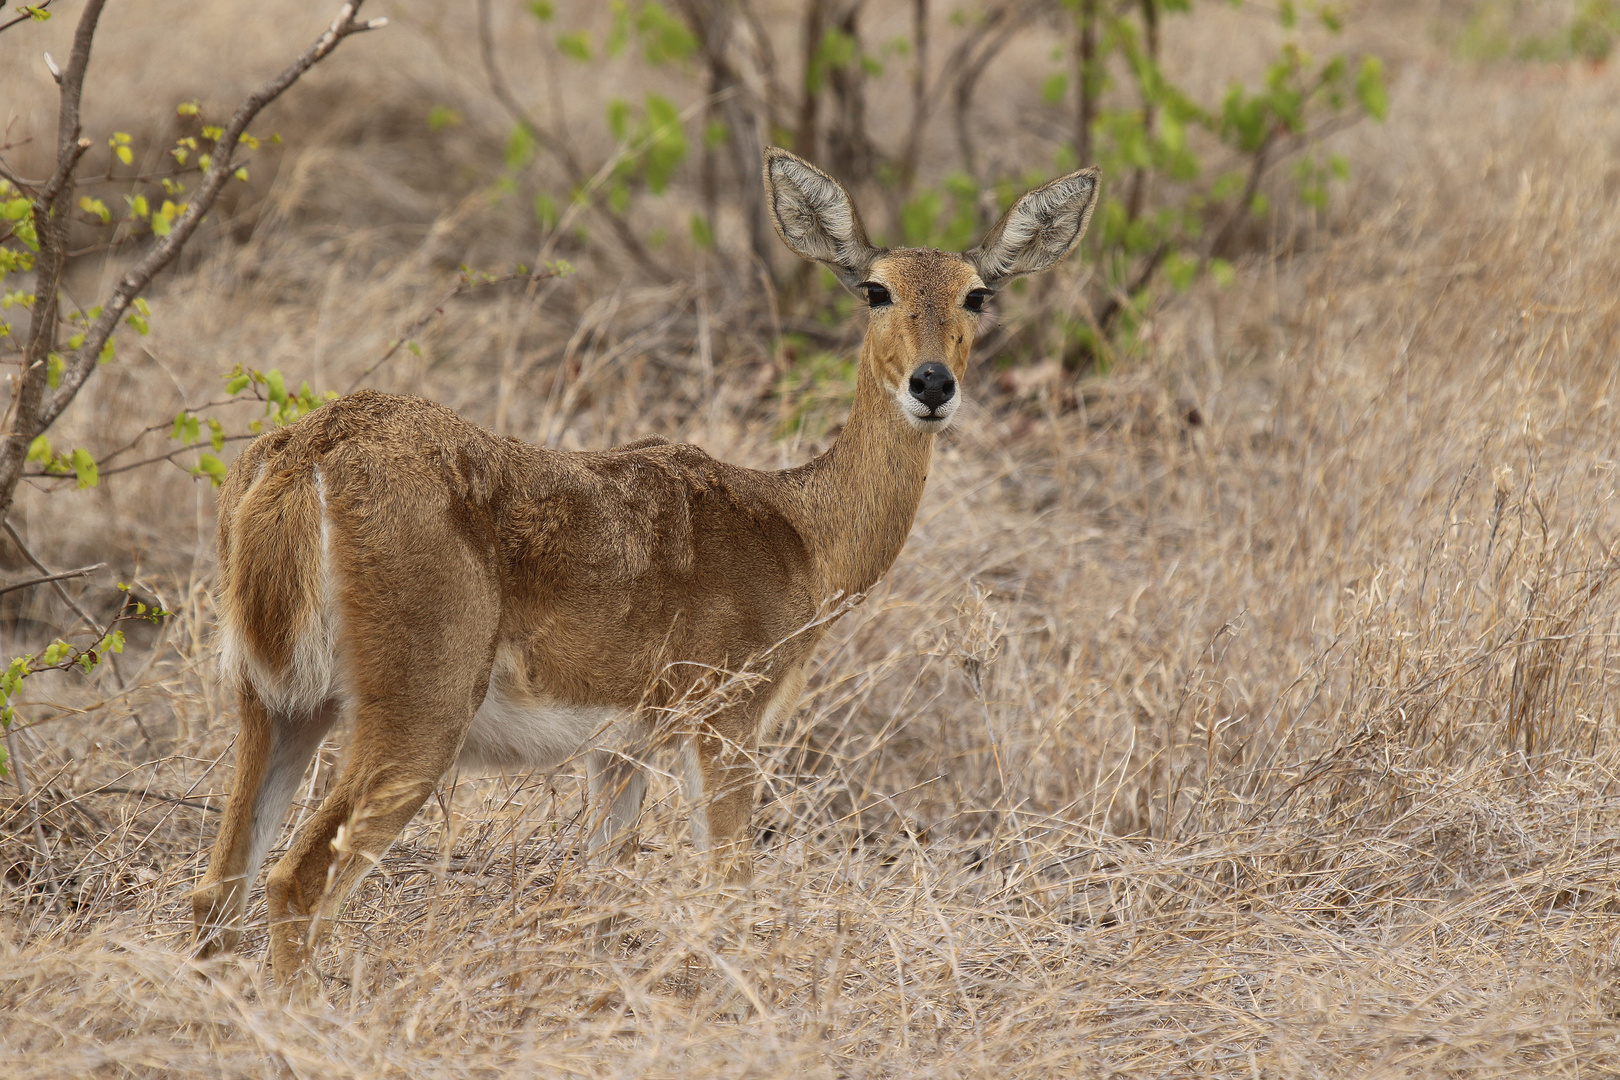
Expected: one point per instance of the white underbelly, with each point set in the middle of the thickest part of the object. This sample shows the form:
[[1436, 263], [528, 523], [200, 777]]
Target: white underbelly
[[533, 733]]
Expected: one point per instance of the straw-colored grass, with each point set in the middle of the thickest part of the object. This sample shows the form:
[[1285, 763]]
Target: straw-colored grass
[[1250, 710]]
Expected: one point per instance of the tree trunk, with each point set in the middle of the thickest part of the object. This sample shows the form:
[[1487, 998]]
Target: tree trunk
[[26, 416]]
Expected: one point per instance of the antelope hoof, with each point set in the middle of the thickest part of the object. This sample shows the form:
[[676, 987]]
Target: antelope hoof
[[214, 929]]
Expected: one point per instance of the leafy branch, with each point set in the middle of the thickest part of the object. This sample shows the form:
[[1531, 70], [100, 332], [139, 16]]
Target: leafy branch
[[46, 387]]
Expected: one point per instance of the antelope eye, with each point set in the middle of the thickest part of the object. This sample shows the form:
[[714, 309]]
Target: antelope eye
[[876, 295], [976, 299]]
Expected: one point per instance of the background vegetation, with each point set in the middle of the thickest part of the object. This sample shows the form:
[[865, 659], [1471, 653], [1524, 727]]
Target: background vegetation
[[1244, 704]]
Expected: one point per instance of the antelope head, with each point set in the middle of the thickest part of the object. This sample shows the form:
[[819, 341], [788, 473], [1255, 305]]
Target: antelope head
[[925, 304]]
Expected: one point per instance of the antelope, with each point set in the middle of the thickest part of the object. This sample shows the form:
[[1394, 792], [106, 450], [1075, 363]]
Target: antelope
[[465, 598]]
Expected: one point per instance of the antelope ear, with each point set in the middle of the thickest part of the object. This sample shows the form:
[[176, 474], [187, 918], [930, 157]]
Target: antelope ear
[[814, 216], [1039, 230]]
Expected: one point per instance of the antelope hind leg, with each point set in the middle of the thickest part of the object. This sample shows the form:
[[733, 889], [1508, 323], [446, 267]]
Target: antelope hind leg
[[272, 753], [371, 803], [411, 714]]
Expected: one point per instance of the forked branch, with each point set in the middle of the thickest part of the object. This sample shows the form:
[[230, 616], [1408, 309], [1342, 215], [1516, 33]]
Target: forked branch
[[35, 405], [555, 144], [220, 170]]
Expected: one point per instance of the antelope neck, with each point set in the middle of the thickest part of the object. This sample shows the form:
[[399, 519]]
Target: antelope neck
[[862, 493]]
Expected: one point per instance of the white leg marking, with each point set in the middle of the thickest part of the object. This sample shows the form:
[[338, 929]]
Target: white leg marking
[[292, 742], [692, 787], [617, 786]]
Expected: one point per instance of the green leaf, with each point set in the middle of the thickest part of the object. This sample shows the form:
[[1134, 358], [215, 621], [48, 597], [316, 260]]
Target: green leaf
[[618, 117], [96, 207], [838, 50], [543, 10], [520, 147], [664, 37], [19, 669], [39, 451], [917, 218], [134, 319], [575, 45], [619, 31], [668, 147], [442, 116], [545, 210], [1055, 88], [106, 352], [702, 234], [84, 467], [1179, 270], [53, 369], [1221, 272], [210, 466], [275, 386], [24, 230], [1370, 90]]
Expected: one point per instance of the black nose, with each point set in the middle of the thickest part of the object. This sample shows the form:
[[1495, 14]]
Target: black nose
[[933, 385]]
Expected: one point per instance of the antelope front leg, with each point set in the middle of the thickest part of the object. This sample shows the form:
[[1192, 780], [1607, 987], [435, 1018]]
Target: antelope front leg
[[724, 776], [617, 787]]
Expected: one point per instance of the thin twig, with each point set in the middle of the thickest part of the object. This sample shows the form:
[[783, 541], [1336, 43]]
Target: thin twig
[[102, 462], [27, 793], [170, 456], [31, 582], [55, 580], [466, 285], [56, 583], [25, 16], [178, 800]]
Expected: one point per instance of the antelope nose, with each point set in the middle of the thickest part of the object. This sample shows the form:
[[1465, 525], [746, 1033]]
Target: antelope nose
[[933, 385]]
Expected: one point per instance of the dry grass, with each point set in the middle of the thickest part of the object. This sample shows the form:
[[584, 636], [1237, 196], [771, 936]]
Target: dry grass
[[1279, 743]]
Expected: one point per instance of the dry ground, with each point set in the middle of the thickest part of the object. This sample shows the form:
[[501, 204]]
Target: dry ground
[[1257, 716]]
